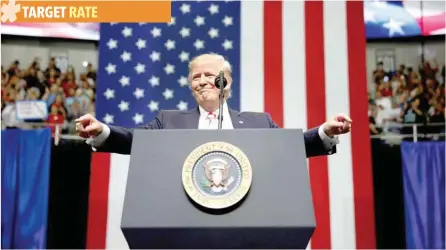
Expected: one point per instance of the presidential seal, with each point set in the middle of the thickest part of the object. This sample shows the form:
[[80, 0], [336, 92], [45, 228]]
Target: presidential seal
[[217, 175]]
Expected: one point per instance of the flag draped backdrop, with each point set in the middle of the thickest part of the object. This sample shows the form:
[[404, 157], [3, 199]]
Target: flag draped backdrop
[[299, 61], [424, 194], [25, 186]]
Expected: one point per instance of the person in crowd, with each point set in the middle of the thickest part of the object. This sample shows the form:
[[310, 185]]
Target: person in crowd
[[69, 82], [52, 78], [55, 117], [379, 73], [14, 68], [91, 72], [32, 80], [32, 94], [52, 66], [59, 103], [9, 110], [85, 90], [385, 88], [374, 130], [443, 71]]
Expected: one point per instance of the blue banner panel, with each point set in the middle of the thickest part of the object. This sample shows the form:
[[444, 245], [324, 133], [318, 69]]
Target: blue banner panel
[[424, 194], [25, 180]]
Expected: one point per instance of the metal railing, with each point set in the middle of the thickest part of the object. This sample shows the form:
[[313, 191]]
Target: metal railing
[[415, 135]]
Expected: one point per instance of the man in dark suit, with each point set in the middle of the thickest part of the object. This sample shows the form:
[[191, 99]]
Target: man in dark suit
[[203, 70]]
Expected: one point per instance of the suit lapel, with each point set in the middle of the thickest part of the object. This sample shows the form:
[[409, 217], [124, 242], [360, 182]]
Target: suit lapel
[[192, 118], [236, 118]]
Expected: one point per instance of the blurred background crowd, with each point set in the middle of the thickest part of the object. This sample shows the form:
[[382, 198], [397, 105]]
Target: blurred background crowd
[[413, 94], [67, 95]]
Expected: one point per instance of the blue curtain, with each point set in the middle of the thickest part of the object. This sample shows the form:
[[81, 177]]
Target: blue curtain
[[25, 186], [424, 194]]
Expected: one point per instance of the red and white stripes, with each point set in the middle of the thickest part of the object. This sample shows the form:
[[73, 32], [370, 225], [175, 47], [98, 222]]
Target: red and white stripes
[[312, 55]]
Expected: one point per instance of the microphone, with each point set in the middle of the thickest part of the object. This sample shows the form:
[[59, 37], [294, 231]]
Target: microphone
[[220, 79], [221, 82]]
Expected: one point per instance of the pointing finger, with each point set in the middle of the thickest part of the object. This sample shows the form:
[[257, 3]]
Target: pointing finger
[[78, 126], [343, 117], [347, 118], [338, 124], [90, 128], [81, 119]]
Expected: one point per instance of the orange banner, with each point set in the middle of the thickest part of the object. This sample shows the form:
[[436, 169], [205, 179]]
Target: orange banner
[[85, 11]]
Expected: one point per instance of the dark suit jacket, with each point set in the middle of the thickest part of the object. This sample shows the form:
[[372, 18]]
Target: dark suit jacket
[[120, 139]]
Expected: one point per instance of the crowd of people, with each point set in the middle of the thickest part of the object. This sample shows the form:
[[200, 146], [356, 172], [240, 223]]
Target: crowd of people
[[66, 96], [408, 96]]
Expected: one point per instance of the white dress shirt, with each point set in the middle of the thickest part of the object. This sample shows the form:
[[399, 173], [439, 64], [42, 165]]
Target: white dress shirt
[[210, 121]]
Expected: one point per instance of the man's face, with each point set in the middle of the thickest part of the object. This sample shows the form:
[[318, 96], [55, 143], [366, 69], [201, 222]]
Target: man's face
[[202, 77]]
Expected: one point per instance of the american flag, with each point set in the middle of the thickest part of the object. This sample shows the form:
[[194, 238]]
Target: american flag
[[144, 67], [389, 19], [299, 61]]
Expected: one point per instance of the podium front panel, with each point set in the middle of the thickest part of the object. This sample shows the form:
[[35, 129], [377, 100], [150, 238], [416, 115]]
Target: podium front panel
[[279, 195]]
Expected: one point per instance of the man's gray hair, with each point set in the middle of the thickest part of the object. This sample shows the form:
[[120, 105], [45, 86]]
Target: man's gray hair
[[226, 64]]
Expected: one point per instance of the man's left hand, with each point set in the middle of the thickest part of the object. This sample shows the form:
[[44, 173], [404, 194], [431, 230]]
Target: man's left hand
[[337, 125]]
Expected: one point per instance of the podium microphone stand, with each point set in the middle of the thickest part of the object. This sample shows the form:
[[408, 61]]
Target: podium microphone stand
[[221, 82]]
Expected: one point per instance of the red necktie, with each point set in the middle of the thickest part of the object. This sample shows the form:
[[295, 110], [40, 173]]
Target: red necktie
[[211, 116]]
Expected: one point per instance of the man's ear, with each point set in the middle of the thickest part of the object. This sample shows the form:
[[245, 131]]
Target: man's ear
[[228, 79], [228, 90]]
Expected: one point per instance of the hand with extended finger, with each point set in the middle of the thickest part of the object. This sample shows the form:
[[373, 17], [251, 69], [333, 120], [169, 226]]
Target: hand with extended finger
[[337, 125], [87, 126]]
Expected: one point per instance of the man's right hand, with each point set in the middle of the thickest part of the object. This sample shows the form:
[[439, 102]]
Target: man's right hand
[[87, 126]]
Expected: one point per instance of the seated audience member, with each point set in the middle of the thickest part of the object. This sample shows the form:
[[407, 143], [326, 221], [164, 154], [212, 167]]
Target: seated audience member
[[387, 112], [385, 88], [13, 69], [437, 114], [68, 83], [51, 93], [85, 96], [74, 110], [9, 110], [92, 109], [55, 117], [443, 72], [412, 112], [91, 73], [69, 99], [59, 102], [374, 130], [379, 73], [32, 81], [52, 77], [52, 66], [85, 90], [33, 94]]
